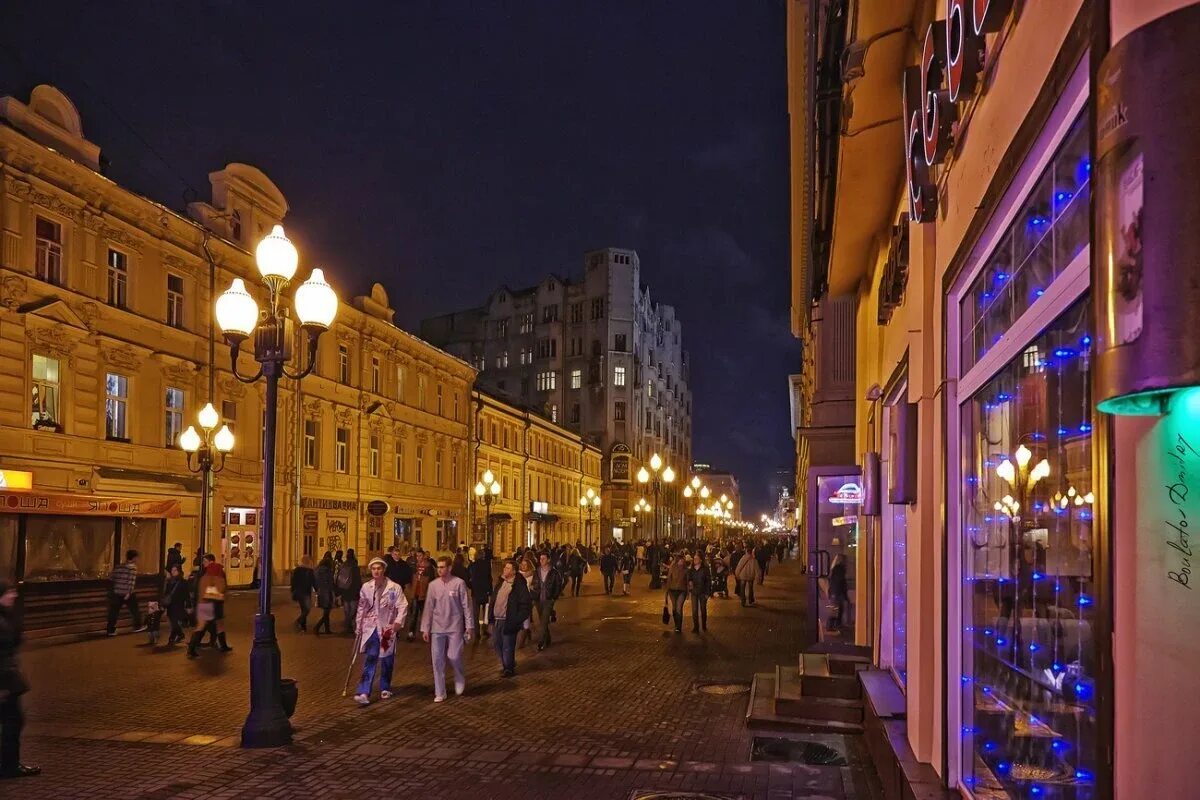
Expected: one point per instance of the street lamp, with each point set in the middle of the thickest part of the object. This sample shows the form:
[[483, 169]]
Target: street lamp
[[643, 507], [487, 491], [274, 335], [590, 503], [207, 451], [661, 476]]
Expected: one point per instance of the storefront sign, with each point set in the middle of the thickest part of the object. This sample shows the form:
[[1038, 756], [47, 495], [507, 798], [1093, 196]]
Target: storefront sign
[[377, 508], [618, 464], [327, 504], [847, 494], [15, 479], [951, 59], [847, 520], [88, 505], [538, 507]]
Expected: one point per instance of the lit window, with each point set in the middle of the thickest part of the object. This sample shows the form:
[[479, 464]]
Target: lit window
[[341, 450], [116, 406], [618, 376], [502, 359], [45, 392], [118, 279], [554, 412], [173, 415], [576, 378], [547, 381], [619, 411]]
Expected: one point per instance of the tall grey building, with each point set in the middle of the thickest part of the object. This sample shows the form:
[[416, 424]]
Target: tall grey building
[[595, 355]]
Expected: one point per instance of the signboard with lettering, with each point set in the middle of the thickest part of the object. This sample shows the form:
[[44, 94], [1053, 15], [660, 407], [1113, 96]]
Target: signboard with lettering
[[88, 505], [15, 479], [377, 508], [328, 504], [951, 59], [618, 464], [847, 494]]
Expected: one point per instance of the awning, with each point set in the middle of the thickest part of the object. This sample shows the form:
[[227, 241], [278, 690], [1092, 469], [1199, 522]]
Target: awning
[[500, 516], [89, 505], [536, 517]]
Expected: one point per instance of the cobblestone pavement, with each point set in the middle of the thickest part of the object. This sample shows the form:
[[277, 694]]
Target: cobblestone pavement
[[610, 708]]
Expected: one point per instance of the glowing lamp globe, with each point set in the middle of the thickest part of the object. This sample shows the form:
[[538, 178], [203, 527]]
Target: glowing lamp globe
[[208, 417], [643, 476], [223, 441], [656, 462], [316, 302], [480, 491], [237, 313], [495, 488], [668, 475], [596, 501], [488, 478], [583, 501], [276, 257], [189, 440]]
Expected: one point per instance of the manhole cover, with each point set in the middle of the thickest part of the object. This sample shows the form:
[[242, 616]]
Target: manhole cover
[[813, 753], [667, 794], [720, 688]]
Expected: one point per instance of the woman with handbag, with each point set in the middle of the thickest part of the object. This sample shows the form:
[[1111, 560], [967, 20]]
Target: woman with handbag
[[210, 606]]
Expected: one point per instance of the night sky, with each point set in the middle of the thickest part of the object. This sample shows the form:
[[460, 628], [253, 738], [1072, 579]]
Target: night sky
[[444, 148]]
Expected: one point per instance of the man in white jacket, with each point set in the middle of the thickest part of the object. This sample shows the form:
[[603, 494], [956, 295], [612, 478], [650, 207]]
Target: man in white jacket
[[447, 621], [382, 608]]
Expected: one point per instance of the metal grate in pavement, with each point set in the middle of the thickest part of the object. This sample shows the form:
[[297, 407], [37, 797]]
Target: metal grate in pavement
[[763, 748]]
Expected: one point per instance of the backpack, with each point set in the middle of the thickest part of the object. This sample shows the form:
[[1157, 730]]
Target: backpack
[[342, 581]]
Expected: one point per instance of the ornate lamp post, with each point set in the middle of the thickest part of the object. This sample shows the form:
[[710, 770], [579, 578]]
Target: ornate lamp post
[[590, 503], [661, 476], [274, 337], [696, 491], [206, 456], [487, 491], [643, 508]]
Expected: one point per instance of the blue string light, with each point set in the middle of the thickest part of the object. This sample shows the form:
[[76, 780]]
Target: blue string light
[[1084, 600]]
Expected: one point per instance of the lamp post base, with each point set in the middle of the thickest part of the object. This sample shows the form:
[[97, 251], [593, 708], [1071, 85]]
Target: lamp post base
[[267, 724]]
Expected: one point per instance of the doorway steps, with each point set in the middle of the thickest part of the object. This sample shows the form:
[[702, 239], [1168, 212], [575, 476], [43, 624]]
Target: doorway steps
[[821, 693]]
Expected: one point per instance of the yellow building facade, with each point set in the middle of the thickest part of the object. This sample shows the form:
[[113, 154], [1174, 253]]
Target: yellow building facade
[[543, 470], [106, 356]]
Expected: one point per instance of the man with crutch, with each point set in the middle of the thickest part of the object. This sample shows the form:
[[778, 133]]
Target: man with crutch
[[382, 607]]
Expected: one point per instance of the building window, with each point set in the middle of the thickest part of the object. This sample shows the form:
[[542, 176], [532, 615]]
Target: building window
[[618, 376], [49, 251], [550, 313], [1049, 231], [437, 468], [502, 327], [546, 381], [45, 392], [173, 415], [438, 396], [527, 323], [576, 378], [373, 455], [597, 348], [116, 407], [174, 301], [478, 362], [457, 409], [649, 388], [598, 308], [1027, 583], [619, 343], [502, 359], [649, 422], [547, 348], [454, 470], [619, 411], [401, 375], [420, 463], [526, 355], [229, 414], [554, 412], [577, 312], [235, 226], [343, 365], [375, 380], [118, 279], [341, 450], [422, 385], [312, 435], [575, 412]]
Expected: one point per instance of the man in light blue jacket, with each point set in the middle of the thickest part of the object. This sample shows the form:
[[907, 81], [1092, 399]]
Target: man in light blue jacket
[[447, 622]]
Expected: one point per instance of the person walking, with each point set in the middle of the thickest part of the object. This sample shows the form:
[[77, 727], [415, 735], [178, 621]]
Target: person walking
[[547, 586], [12, 686], [627, 564], [576, 567], [509, 611], [347, 584], [446, 624], [677, 588], [608, 569], [699, 583], [747, 573], [382, 607], [458, 568], [123, 593], [480, 574], [304, 583], [210, 607], [735, 558], [174, 558], [174, 602], [720, 576], [325, 592], [420, 589], [641, 556], [526, 572], [399, 571]]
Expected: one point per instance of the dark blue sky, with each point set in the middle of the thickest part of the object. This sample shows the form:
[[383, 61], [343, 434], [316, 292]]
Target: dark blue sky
[[446, 147]]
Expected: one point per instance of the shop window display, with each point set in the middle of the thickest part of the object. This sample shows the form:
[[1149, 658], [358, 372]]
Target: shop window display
[[1029, 657], [68, 548]]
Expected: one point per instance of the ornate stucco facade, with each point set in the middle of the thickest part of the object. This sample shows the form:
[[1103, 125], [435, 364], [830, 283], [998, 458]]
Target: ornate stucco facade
[[105, 355]]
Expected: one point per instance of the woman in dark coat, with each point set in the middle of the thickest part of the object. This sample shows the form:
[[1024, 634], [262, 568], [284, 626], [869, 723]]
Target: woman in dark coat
[[349, 584], [325, 592], [304, 583], [174, 602], [699, 583], [12, 686], [576, 566]]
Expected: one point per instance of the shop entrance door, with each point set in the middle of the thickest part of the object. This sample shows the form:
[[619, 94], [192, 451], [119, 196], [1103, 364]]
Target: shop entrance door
[[833, 522], [239, 544]]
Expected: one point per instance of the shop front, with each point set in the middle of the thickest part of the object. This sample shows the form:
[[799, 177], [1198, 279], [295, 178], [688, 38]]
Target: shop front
[[62, 548]]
